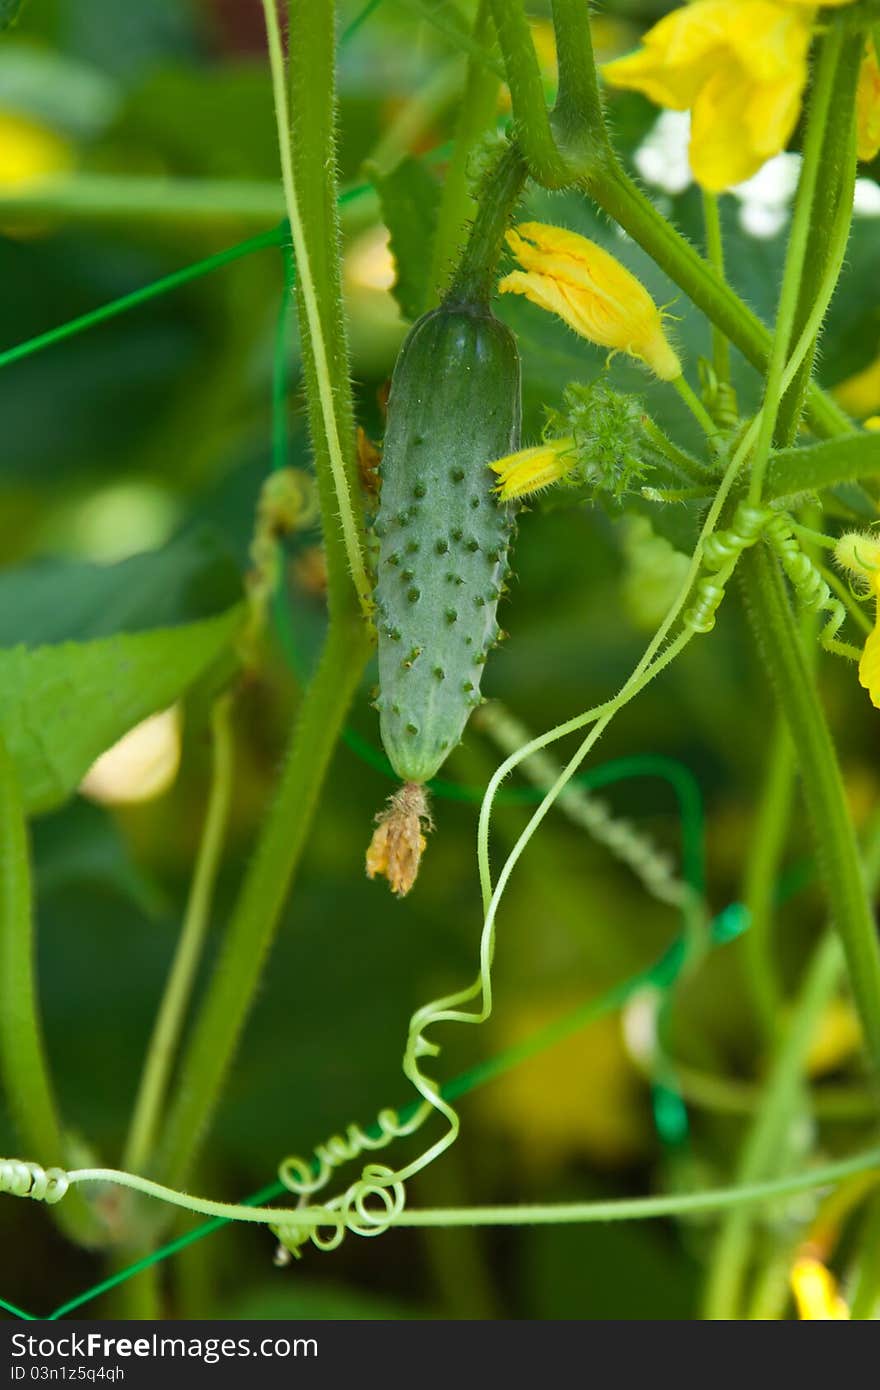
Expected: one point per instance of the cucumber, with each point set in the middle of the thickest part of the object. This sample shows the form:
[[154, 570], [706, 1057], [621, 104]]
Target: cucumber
[[443, 535]]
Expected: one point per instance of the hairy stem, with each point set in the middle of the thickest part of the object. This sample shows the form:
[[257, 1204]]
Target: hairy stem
[[715, 256], [837, 161], [478, 103], [765, 850], [531, 120], [306, 137], [475, 275], [850, 910], [578, 120], [24, 1065], [821, 100]]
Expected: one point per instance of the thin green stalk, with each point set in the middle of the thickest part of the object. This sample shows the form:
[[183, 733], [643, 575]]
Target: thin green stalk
[[308, 169], [821, 100], [24, 1065], [257, 911], [850, 910], [474, 277], [767, 842], [553, 1214], [695, 406], [168, 1027], [837, 161], [768, 1136], [478, 103], [715, 257], [531, 121], [107, 197]]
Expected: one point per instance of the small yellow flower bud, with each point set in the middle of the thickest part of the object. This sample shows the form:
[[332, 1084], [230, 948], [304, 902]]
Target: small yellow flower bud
[[815, 1291], [531, 470], [593, 293]]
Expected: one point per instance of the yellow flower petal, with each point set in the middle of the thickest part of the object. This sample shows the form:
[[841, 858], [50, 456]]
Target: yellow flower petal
[[740, 66], [531, 470], [30, 150], [869, 667], [570, 276], [815, 1292], [860, 393], [868, 106]]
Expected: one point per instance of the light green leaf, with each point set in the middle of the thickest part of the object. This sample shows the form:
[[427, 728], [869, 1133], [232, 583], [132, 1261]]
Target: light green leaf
[[64, 705], [828, 464], [410, 198]]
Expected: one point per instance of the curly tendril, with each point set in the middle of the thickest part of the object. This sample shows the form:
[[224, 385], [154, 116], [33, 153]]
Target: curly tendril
[[21, 1179], [721, 553]]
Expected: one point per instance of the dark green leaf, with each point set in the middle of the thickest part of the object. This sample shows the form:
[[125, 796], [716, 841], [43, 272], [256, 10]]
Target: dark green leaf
[[409, 197], [52, 601], [9, 12]]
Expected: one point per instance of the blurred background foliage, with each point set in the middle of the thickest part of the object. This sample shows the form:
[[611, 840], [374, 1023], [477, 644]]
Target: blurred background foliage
[[149, 437]]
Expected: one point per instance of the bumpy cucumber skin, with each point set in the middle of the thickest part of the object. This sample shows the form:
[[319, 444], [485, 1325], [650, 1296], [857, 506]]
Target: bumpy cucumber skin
[[443, 535]]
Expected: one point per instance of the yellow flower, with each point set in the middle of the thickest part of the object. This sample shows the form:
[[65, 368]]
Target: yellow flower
[[860, 393], [595, 295], [815, 1291], [868, 105], [29, 150], [859, 553], [531, 470], [739, 66]]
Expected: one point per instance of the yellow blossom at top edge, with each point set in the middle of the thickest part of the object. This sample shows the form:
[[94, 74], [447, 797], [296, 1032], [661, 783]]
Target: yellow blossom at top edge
[[739, 66], [815, 1291], [593, 293], [868, 106]]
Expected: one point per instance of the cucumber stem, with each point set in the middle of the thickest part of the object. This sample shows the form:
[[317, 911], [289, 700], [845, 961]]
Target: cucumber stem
[[473, 280]]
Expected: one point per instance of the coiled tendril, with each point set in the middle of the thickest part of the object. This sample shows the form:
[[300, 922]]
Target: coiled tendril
[[721, 554], [21, 1179], [719, 397]]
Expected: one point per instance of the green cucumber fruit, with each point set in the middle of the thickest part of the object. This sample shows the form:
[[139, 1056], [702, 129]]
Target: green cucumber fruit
[[443, 535]]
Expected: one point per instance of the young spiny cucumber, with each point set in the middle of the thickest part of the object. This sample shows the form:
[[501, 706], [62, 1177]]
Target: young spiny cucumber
[[444, 536]]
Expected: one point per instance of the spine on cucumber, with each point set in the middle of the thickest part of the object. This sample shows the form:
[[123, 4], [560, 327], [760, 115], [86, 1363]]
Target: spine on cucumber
[[443, 535]]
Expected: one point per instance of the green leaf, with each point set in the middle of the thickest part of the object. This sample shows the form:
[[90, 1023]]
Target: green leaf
[[51, 601], [64, 705], [828, 464], [410, 198]]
